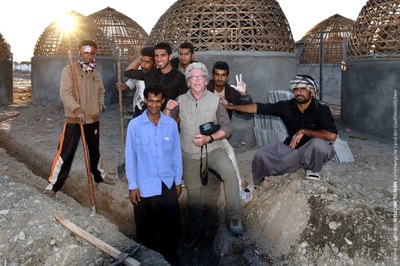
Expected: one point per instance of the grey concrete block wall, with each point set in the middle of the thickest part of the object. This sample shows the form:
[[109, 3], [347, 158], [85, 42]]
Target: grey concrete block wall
[[6, 82], [46, 76], [332, 80], [370, 88]]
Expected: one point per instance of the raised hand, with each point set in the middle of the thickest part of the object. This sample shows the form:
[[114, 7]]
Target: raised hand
[[240, 85]]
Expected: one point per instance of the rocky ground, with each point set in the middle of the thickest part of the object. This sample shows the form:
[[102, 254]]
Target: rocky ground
[[344, 219]]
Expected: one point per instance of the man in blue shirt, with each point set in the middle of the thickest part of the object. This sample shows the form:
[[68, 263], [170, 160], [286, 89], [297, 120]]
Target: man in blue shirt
[[153, 161], [311, 130]]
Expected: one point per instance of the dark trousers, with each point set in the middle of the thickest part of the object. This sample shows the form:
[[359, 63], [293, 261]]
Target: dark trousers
[[158, 222], [66, 151]]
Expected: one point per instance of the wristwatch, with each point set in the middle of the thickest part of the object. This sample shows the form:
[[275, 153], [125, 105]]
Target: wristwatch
[[211, 139]]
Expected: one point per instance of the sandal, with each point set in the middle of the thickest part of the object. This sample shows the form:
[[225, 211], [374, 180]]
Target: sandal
[[311, 175]]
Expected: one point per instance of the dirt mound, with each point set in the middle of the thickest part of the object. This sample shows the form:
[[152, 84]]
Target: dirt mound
[[333, 222]]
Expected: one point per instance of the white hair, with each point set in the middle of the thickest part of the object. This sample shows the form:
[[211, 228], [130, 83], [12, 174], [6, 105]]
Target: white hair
[[196, 65]]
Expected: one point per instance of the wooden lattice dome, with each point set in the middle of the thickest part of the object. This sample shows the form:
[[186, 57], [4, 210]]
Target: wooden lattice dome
[[336, 30], [128, 36], [54, 41], [231, 25], [377, 30], [5, 51]]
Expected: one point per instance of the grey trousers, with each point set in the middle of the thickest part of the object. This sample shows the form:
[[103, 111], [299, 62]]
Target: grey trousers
[[218, 161], [279, 158]]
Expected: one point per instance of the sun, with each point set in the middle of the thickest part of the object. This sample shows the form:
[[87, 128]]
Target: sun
[[66, 23]]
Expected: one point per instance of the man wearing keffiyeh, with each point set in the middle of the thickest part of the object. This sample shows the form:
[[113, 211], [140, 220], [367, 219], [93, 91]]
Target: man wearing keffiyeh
[[311, 129], [91, 94]]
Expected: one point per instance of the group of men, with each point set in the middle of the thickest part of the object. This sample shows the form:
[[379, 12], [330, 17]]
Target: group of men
[[179, 130]]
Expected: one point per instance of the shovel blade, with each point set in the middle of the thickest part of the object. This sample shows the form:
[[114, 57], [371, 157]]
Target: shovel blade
[[121, 170]]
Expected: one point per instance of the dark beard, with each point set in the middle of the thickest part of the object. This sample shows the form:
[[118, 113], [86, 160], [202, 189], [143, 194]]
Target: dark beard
[[302, 100]]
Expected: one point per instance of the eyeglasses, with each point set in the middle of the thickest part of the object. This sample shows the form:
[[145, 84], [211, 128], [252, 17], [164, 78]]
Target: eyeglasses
[[201, 77]]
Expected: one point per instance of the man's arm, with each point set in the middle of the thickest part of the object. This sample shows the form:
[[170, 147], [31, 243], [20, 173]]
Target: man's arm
[[224, 131], [245, 108], [321, 134], [225, 123], [135, 64], [172, 108], [67, 91], [177, 160], [130, 163]]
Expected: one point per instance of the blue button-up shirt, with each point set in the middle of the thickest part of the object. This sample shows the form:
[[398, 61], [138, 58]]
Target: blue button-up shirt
[[153, 154]]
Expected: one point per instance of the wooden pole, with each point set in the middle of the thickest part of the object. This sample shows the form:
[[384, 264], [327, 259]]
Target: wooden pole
[[121, 113], [84, 144], [113, 252]]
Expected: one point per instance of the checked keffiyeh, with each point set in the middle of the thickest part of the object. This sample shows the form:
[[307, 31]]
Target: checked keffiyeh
[[304, 81], [88, 67]]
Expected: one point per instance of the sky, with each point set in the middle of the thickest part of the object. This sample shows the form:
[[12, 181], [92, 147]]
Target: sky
[[22, 21]]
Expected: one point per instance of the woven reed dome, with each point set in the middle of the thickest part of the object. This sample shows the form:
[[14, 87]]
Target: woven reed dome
[[377, 30], [336, 30], [54, 41], [128, 36], [5, 51], [231, 25]]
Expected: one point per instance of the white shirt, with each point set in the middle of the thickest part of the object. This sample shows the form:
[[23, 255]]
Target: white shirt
[[138, 98]]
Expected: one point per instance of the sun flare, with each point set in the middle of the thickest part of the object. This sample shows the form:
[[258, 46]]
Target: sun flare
[[66, 23]]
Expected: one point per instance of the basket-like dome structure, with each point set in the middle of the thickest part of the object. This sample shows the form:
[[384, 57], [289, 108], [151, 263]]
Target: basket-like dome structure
[[377, 30], [128, 36], [5, 51], [231, 25], [335, 30], [54, 41]]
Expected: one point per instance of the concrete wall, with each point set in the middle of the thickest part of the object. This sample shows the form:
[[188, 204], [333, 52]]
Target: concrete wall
[[6, 82], [46, 76], [332, 80], [261, 71], [370, 89]]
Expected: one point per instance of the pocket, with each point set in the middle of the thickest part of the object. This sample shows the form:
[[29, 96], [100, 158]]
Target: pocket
[[168, 143]]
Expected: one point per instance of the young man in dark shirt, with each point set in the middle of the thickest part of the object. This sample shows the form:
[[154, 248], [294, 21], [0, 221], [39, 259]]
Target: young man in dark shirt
[[185, 57], [170, 78], [220, 86], [311, 130]]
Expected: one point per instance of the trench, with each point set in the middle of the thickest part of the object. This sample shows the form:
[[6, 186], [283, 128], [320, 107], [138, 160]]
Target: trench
[[216, 246]]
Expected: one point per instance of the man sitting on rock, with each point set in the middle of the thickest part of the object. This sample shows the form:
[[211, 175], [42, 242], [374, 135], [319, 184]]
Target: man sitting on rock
[[311, 130]]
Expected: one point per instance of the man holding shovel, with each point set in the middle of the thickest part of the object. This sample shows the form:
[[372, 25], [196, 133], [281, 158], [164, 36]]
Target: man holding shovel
[[146, 63], [91, 91]]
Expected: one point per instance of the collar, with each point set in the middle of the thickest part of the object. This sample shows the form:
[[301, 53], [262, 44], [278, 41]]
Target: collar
[[189, 93], [211, 85], [146, 119]]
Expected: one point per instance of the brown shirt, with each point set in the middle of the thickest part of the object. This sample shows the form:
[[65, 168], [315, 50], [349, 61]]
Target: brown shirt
[[91, 94]]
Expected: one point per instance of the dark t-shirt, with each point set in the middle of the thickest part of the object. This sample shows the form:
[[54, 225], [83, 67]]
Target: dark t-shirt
[[174, 81], [316, 117]]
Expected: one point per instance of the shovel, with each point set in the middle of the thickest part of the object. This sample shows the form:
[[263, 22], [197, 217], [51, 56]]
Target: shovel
[[121, 166]]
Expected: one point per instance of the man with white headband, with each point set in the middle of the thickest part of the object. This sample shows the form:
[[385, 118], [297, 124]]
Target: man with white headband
[[91, 93], [311, 130]]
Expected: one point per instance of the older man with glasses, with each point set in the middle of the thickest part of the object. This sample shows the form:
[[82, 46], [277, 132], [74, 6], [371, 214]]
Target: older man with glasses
[[196, 109]]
